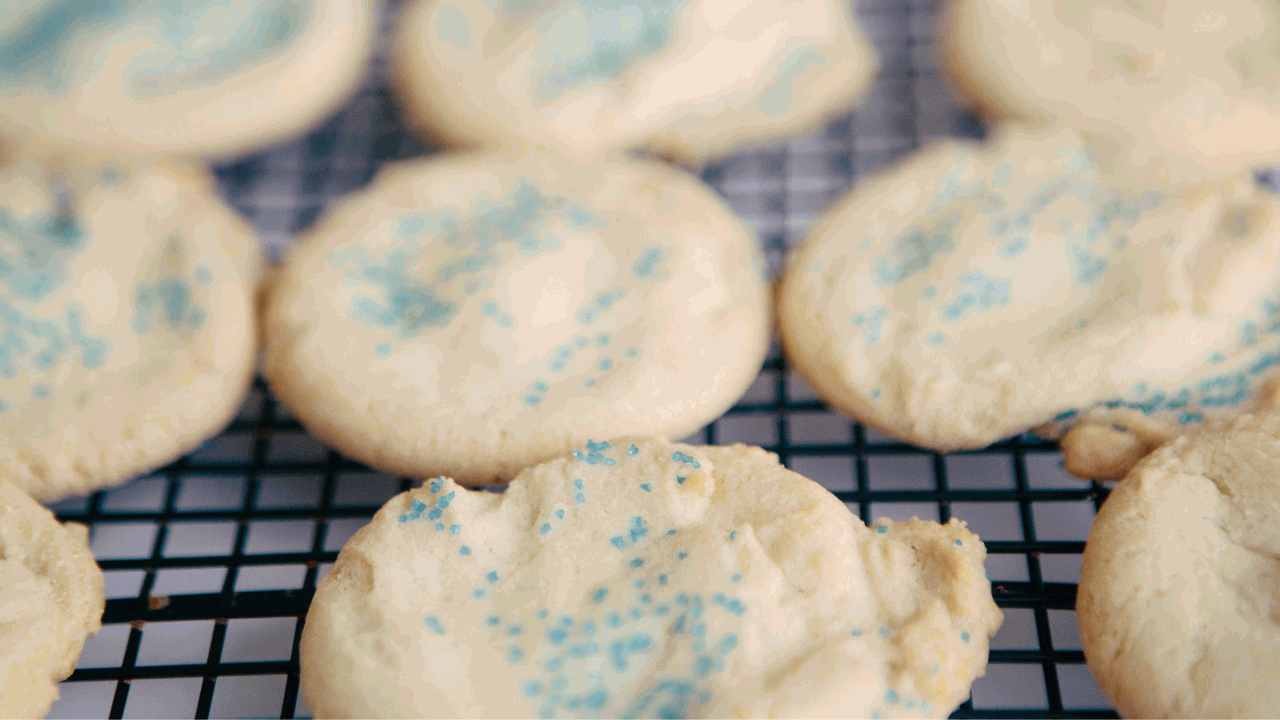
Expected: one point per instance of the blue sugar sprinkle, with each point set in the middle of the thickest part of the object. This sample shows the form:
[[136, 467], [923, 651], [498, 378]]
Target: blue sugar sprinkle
[[440, 526], [443, 503], [435, 486], [492, 620], [515, 654], [638, 583], [580, 498], [660, 610], [560, 513], [546, 528], [515, 630], [434, 514], [599, 595], [455, 529], [718, 597], [557, 636], [736, 607], [704, 665], [631, 352], [662, 580], [682, 555], [532, 688], [688, 459], [636, 613], [633, 450], [588, 628], [597, 447], [646, 487], [884, 631], [683, 598], [577, 484], [554, 665], [614, 620], [737, 577], [856, 633], [434, 623], [964, 635], [542, 614], [680, 479], [417, 507], [492, 576], [646, 598], [617, 541], [671, 531], [464, 550], [477, 593], [566, 620], [733, 534], [882, 529], [959, 543], [637, 562], [891, 696]]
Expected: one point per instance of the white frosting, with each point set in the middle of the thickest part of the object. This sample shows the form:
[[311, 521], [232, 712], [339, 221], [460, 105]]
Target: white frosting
[[1185, 91], [973, 292], [688, 77]]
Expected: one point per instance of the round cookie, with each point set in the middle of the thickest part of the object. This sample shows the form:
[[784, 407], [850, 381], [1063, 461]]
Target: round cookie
[[973, 292], [640, 578], [475, 315], [1177, 598], [127, 335], [51, 600], [1184, 92], [689, 79], [212, 77]]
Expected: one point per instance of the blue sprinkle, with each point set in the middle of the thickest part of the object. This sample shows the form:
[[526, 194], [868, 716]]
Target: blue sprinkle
[[958, 542], [638, 583], [718, 597], [440, 526], [455, 529], [964, 635], [646, 598], [382, 349], [597, 447], [580, 498], [434, 514], [671, 531], [599, 595], [680, 479], [733, 534], [662, 580], [492, 576], [577, 483], [434, 623], [633, 450], [464, 550], [856, 633], [660, 610], [631, 352], [557, 636], [435, 486], [683, 598], [882, 529], [515, 630], [737, 577], [637, 562], [704, 665], [515, 654], [688, 459], [589, 382], [532, 688], [588, 628], [736, 607], [492, 620], [646, 487], [617, 541], [884, 631], [560, 513], [443, 503], [614, 620], [891, 696], [566, 620], [636, 613], [546, 528], [477, 593], [542, 614], [682, 555]]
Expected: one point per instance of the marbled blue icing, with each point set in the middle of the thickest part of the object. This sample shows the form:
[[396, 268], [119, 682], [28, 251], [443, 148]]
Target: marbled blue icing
[[34, 253], [41, 51], [776, 99], [598, 42]]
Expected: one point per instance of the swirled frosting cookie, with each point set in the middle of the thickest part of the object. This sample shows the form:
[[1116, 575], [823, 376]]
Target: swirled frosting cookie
[[51, 600], [1184, 92], [1177, 600], [126, 328], [689, 78], [475, 315], [973, 292], [639, 578], [189, 76]]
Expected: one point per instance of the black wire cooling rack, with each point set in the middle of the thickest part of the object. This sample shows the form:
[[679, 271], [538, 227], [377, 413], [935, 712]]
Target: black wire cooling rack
[[212, 561]]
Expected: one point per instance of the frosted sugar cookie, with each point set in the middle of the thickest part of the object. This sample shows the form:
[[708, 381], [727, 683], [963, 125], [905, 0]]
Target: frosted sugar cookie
[[689, 78], [973, 292], [126, 327], [190, 76], [638, 578], [1177, 600], [475, 315], [1184, 92], [51, 600]]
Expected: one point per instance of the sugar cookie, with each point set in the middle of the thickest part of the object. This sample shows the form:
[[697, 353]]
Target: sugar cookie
[[1185, 92], [211, 77], [474, 315], [974, 292], [688, 78], [126, 328], [1177, 600], [640, 578], [51, 600]]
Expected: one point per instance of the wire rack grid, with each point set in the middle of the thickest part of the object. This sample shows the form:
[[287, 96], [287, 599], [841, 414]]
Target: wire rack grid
[[212, 561]]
